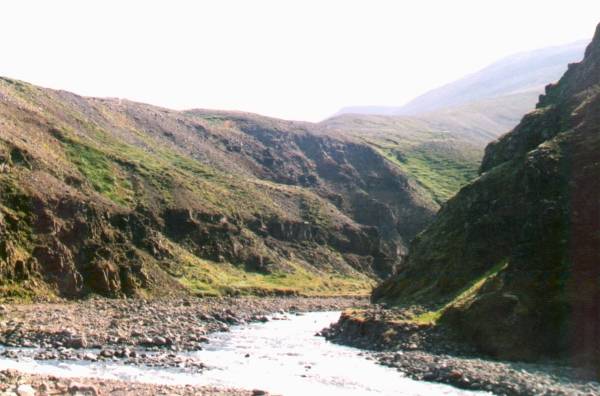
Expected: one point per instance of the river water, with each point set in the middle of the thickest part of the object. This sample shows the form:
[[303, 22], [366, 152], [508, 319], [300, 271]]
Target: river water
[[281, 356]]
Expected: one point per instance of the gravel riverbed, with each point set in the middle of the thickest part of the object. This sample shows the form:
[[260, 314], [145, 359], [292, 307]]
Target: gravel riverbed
[[122, 328], [429, 354], [152, 333], [14, 383], [132, 332]]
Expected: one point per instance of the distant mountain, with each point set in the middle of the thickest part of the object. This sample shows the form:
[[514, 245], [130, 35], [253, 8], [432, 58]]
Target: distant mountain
[[522, 72], [368, 110]]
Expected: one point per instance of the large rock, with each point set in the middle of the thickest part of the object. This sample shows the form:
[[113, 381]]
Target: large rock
[[57, 265]]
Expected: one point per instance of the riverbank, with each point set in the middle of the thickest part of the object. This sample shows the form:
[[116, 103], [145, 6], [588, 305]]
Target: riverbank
[[280, 356], [21, 384], [424, 352], [138, 332]]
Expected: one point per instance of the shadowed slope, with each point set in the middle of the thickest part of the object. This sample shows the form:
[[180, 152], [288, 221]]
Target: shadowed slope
[[532, 217]]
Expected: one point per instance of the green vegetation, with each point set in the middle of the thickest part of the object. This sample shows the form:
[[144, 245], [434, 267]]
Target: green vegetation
[[442, 172], [15, 212], [144, 171], [205, 277], [24, 292], [463, 297], [312, 211], [440, 155], [104, 176]]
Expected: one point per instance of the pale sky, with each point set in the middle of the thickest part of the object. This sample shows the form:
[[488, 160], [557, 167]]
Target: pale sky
[[298, 60]]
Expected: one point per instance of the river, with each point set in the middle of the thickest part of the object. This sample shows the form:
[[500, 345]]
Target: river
[[281, 356]]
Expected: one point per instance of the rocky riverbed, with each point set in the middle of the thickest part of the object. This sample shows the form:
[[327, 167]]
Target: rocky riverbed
[[426, 353], [15, 383], [134, 332], [158, 333]]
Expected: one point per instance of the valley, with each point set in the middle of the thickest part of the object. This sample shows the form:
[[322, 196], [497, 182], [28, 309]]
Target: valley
[[447, 247]]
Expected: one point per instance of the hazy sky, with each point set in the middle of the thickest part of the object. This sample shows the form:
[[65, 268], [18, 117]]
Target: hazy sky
[[291, 59]]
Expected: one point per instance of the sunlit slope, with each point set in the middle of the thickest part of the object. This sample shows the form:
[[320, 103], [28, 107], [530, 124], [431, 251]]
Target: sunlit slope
[[119, 198]]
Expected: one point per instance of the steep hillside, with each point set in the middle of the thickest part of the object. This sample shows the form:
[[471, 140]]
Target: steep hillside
[[438, 138], [436, 158], [119, 198], [512, 261], [440, 151]]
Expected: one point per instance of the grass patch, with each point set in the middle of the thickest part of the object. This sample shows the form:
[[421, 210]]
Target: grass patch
[[15, 211], [24, 292], [462, 297], [102, 173], [440, 171], [204, 277]]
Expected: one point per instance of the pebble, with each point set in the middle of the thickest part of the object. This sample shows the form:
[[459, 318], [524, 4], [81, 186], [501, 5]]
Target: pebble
[[88, 390], [25, 390], [14, 383]]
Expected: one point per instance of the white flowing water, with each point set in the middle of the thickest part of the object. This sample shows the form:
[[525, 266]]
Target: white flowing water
[[281, 356]]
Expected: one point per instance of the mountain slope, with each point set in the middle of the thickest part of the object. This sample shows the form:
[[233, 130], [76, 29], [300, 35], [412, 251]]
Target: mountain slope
[[438, 138], [119, 198], [518, 73], [437, 159], [523, 72], [511, 262], [440, 151]]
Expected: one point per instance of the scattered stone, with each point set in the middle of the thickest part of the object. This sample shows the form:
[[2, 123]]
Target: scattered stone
[[83, 389], [76, 342], [90, 356], [25, 390], [15, 383]]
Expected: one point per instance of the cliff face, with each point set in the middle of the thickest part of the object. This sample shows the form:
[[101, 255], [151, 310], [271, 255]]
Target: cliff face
[[513, 260], [119, 198]]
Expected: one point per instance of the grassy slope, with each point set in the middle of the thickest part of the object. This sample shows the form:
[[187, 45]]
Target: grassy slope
[[440, 150], [98, 162], [203, 276], [462, 297], [439, 160], [112, 154]]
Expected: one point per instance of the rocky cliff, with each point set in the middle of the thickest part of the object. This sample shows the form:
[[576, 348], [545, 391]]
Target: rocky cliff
[[512, 261]]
